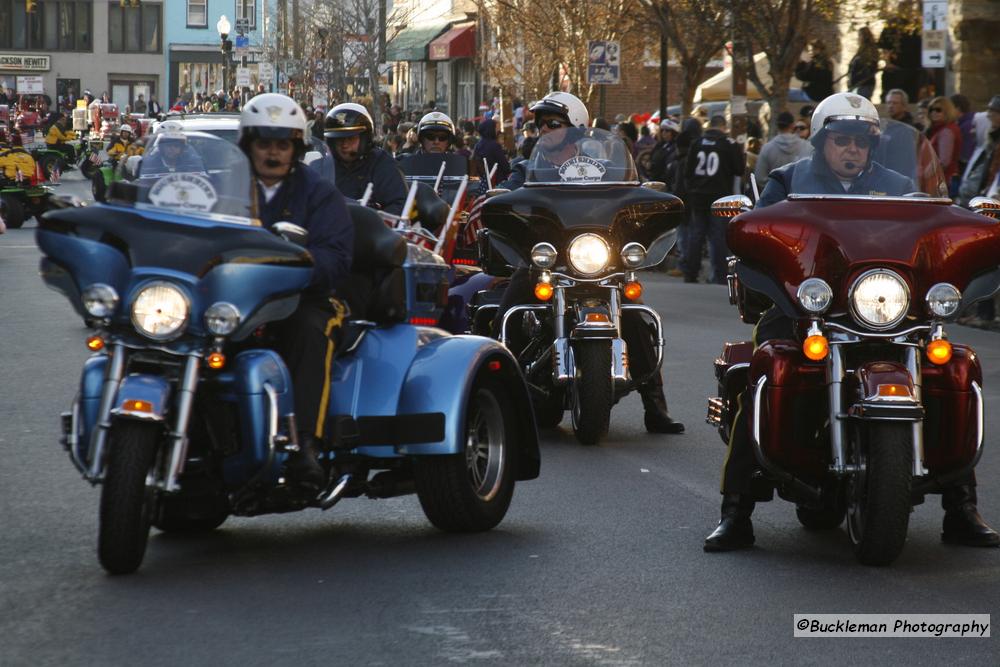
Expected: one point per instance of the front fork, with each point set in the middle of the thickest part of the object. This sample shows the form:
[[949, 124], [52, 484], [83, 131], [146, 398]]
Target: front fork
[[838, 416], [178, 439]]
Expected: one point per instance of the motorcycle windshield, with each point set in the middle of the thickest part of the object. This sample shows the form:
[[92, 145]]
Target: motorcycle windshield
[[193, 174], [580, 156], [852, 159]]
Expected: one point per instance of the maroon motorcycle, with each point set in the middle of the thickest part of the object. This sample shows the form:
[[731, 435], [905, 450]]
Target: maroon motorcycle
[[868, 406]]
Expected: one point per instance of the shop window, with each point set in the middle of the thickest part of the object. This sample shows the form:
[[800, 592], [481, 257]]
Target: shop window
[[135, 29]]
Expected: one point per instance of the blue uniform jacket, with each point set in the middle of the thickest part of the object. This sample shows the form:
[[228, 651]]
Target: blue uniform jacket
[[308, 200], [819, 179], [378, 168]]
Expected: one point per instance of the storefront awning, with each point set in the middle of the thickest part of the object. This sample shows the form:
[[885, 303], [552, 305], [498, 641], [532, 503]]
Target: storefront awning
[[459, 42], [411, 44]]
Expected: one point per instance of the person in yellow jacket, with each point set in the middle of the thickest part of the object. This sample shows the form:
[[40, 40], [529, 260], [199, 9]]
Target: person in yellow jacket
[[59, 134], [120, 143]]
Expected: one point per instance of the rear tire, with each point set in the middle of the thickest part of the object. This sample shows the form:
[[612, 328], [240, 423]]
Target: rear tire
[[878, 498], [14, 216], [98, 187], [824, 518], [593, 391], [190, 515], [126, 501], [471, 491]]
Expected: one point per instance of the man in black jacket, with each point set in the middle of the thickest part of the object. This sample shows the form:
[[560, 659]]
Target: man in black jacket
[[714, 169], [358, 162]]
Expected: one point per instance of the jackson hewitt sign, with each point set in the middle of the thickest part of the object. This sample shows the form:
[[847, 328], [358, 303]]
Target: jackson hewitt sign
[[19, 62]]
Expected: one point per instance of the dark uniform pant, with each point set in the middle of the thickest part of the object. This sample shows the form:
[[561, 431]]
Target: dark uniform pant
[[307, 341]]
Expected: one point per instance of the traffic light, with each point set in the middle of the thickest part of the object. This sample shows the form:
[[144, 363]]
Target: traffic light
[[30, 6]]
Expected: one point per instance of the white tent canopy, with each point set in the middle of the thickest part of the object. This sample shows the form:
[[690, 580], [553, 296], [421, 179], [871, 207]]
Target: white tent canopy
[[719, 88]]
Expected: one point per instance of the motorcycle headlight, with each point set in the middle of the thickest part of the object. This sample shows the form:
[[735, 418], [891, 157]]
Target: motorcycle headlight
[[880, 298], [160, 311], [633, 255], [589, 254], [100, 300], [815, 295], [543, 255], [944, 299], [222, 318]]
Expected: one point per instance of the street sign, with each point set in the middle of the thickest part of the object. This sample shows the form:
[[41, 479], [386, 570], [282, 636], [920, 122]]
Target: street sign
[[243, 77], [241, 42], [253, 56], [934, 44], [935, 15], [266, 72], [243, 25], [604, 62], [934, 48], [29, 85]]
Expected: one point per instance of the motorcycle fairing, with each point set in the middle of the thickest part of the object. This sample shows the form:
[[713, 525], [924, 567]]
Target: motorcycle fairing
[[153, 390], [558, 213], [834, 239], [408, 370]]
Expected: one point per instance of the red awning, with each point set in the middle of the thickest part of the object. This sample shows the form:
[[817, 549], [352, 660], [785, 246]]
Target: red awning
[[459, 42]]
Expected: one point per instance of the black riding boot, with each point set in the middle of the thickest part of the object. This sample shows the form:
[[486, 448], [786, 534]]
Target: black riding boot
[[657, 417], [303, 466], [962, 523], [735, 530]]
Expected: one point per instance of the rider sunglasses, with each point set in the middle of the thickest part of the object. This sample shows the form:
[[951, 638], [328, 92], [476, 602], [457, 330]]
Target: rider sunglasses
[[280, 144], [554, 123], [844, 140], [437, 137]]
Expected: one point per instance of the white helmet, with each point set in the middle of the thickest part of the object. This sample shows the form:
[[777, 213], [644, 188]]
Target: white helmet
[[436, 120], [272, 116], [847, 113], [671, 125], [563, 104], [171, 129]]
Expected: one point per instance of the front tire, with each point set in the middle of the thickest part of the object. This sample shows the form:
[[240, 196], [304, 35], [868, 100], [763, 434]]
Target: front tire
[[126, 500], [593, 392], [87, 168], [878, 497], [471, 491]]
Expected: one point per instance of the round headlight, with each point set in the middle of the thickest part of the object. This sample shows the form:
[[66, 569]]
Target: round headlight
[[880, 298], [633, 254], [543, 255], [160, 311], [100, 300], [589, 254], [222, 318], [815, 295], [944, 299]]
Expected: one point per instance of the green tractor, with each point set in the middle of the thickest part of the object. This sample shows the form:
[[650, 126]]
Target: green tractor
[[23, 195]]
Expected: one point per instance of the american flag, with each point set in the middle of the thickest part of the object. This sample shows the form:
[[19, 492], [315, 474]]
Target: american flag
[[474, 224]]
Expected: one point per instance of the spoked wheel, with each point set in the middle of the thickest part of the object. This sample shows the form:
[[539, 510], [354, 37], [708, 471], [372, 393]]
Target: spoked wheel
[[878, 494], [127, 499], [593, 392], [471, 491]]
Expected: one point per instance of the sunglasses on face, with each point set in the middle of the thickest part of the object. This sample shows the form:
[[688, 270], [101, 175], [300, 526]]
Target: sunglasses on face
[[437, 137], [280, 144], [554, 123], [845, 140], [936, 110]]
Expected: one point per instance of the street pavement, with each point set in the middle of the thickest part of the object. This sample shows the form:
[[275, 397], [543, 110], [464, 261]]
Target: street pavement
[[599, 561]]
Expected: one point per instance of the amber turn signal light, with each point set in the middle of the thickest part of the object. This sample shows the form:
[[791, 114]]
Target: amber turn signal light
[[893, 390], [816, 347], [216, 360], [939, 351], [543, 291], [95, 343], [633, 290], [137, 406]]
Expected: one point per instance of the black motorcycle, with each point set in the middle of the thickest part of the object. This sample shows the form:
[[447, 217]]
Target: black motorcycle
[[575, 237]]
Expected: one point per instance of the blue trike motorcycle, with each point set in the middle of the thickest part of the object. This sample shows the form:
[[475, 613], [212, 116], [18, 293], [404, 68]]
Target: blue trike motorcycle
[[184, 416]]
